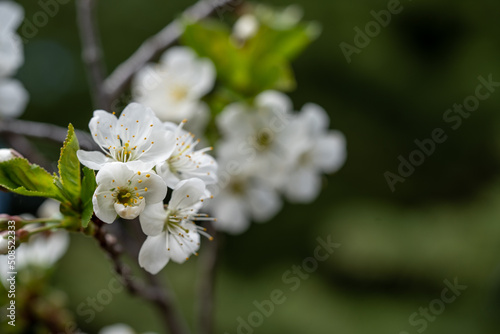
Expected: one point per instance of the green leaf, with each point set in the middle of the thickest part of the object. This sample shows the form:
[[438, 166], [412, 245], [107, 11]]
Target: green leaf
[[23, 178], [261, 63], [69, 169], [88, 187]]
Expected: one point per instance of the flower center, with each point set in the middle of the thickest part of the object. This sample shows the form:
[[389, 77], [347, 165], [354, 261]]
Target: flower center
[[179, 93], [264, 139], [237, 187], [126, 197], [125, 153]]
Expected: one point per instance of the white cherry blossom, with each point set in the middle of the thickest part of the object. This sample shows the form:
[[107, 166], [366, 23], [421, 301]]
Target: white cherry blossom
[[325, 152], [136, 138], [172, 232], [125, 192], [186, 162], [173, 87], [263, 137]]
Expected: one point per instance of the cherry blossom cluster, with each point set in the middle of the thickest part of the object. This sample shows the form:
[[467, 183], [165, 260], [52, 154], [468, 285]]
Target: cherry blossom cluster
[[268, 149], [141, 159]]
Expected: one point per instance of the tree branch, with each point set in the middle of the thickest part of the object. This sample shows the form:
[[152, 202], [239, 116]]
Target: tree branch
[[208, 266], [117, 82], [92, 54], [153, 293], [45, 131]]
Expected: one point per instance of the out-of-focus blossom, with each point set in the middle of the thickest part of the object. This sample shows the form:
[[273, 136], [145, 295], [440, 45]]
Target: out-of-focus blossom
[[125, 192], [172, 232], [263, 137], [173, 87], [246, 27], [325, 152], [120, 329], [136, 138], [240, 198], [42, 250], [13, 96]]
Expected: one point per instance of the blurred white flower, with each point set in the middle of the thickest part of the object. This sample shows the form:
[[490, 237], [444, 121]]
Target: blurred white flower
[[137, 138], [11, 50], [186, 162], [241, 198], [173, 87], [172, 233], [8, 153], [13, 96], [123, 191], [246, 27], [119, 329], [263, 137], [49, 209], [42, 250], [325, 152]]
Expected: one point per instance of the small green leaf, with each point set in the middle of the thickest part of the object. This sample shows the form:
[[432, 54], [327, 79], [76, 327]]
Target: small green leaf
[[23, 178], [88, 188], [260, 63], [69, 168]]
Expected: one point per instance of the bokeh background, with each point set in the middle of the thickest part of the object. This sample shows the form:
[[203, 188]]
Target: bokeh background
[[398, 247]]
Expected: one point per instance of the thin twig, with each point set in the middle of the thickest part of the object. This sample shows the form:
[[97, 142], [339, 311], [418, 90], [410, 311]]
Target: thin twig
[[208, 265], [45, 131], [153, 293], [117, 82], [91, 50]]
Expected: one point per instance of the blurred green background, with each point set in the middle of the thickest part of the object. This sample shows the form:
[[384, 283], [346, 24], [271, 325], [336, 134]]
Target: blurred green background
[[398, 247]]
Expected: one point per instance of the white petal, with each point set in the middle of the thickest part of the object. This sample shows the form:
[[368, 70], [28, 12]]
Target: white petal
[[153, 219], [187, 193], [166, 174], [114, 171], [93, 160], [205, 79], [161, 150], [104, 207], [330, 152], [176, 56], [130, 211], [246, 27], [274, 100], [11, 16], [117, 329], [303, 185], [264, 202], [6, 154], [13, 98], [103, 125], [153, 255], [49, 209], [157, 189], [11, 53], [178, 253], [234, 121], [231, 213], [315, 117], [44, 250]]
